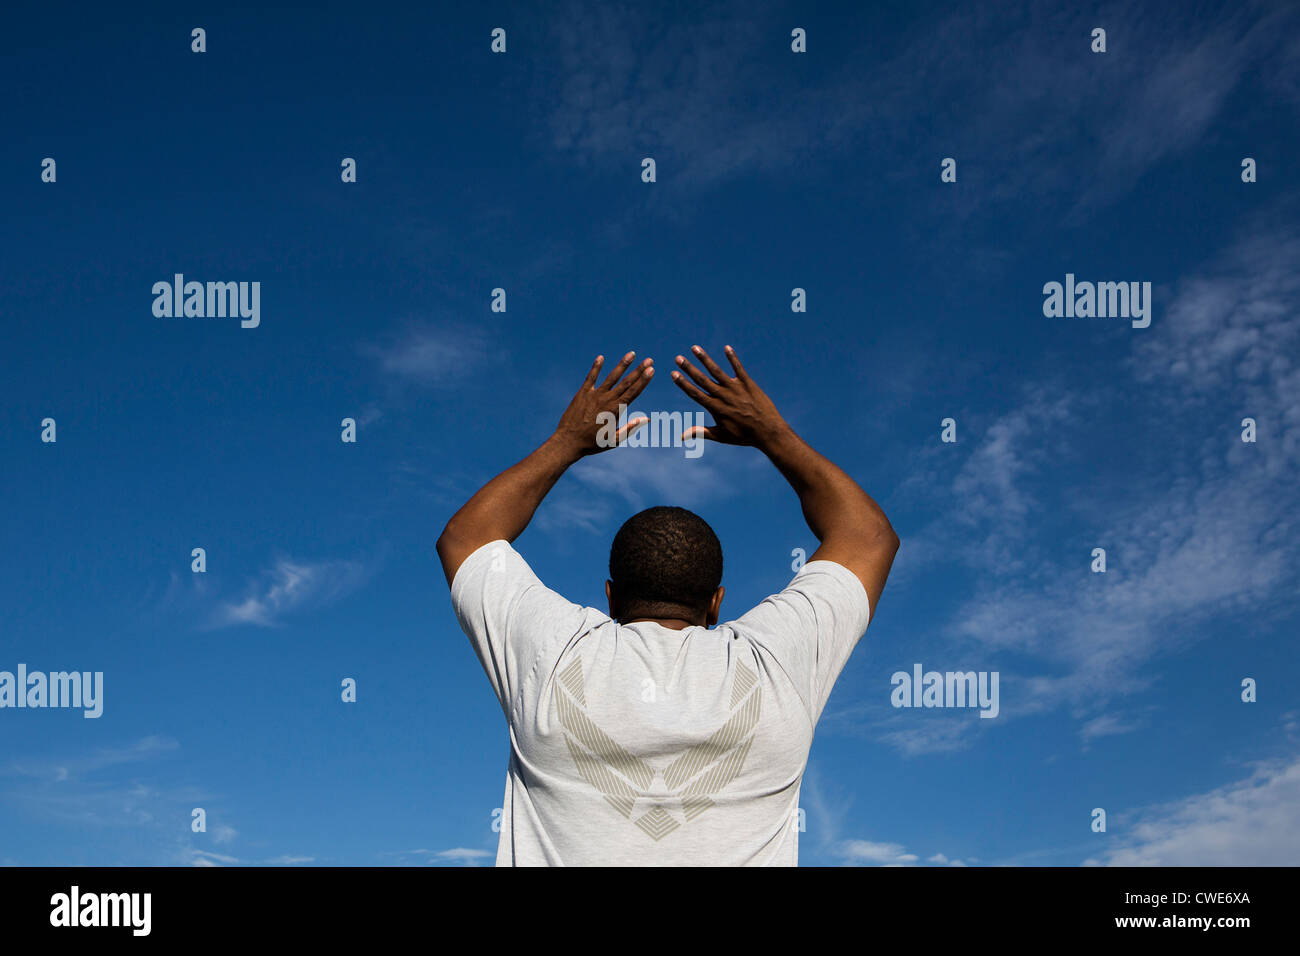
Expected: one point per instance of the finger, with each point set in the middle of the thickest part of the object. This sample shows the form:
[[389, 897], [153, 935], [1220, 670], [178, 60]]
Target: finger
[[701, 431], [633, 378], [714, 369], [735, 363], [619, 369], [706, 384], [636, 383], [705, 400], [595, 370]]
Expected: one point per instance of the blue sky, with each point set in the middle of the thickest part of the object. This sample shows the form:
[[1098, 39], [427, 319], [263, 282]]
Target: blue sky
[[775, 170]]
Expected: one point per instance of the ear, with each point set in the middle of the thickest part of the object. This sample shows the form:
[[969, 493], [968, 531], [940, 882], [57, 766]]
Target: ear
[[609, 596], [715, 604]]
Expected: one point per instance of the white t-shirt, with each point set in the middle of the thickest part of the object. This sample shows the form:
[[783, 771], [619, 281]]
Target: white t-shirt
[[640, 745]]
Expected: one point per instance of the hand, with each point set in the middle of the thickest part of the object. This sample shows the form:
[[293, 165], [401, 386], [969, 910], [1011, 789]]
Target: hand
[[744, 415], [587, 425]]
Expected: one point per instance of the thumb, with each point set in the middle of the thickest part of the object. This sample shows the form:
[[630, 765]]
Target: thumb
[[703, 431], [626, 431]]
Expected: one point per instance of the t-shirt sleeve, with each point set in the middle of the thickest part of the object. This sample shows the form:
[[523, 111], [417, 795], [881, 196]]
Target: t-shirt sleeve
[[811, 628], [510, 617]]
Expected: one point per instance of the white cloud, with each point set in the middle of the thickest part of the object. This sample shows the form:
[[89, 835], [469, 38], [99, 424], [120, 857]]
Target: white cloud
[[607, 489], [826, 820], [197, 857], [1234, 332], [882, 854], [74, 769], [463, 854], [565, 511], [111, 794], [719, 94], [643, 477], [291, 586], [1105, 725], [912, 732], [1253, 822], [433, 355], [1192, 538], [867, 853], [631, 81], [205, 858]]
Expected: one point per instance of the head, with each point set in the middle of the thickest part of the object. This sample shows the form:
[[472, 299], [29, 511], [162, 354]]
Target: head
[[665, 565]]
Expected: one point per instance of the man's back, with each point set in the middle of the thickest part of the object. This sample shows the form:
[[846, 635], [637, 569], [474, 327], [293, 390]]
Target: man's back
[[658, 741], [639, 744]]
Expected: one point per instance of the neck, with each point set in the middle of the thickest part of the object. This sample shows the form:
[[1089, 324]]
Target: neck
[[672, 623]]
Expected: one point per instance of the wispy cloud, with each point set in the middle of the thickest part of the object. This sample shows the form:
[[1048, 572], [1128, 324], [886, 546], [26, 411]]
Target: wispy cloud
[[826, 824], [207, 858], [463, 855], [1207, 529], [869, 853], [1233, 332], [879, 854], [603, 491], [718, 94], [433, 355], [914, 734], [632, 84], [110, 797], [290, 586], [458, 856], [196, 857], [1211, 534], [642, 477], [1252, 822], [1106, 725], [77, 768]]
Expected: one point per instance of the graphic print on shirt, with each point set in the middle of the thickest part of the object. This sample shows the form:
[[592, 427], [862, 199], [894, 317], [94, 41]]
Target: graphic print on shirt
[[692, 779]]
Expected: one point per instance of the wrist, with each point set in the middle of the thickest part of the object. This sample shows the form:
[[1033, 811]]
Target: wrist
[[778, 436], [563, 448]]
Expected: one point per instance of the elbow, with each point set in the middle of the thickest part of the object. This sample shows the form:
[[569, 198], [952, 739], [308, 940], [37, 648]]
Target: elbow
[[875, 537], [446, 541], [888, 538]]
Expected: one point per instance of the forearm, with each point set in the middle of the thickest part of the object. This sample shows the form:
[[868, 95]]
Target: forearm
[[851, 527], [834, 505], [503, 507]]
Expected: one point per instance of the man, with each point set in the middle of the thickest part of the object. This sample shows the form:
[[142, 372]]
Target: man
[[642, 737]]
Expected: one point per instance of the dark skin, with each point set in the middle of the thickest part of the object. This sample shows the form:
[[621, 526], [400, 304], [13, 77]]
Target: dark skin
[[705, 618], [851, 528]]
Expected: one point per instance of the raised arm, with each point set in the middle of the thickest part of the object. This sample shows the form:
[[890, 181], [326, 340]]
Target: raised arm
[[851, 527], [502, 508]]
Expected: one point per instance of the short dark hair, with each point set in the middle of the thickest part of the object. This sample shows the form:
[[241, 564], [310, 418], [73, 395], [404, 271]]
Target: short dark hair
[[664, 560]]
